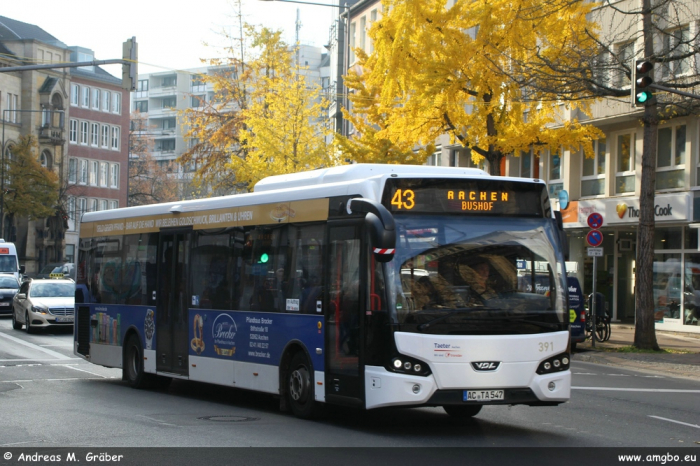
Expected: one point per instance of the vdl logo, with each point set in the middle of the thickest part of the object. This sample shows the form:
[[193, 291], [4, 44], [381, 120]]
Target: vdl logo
[[486, 365]]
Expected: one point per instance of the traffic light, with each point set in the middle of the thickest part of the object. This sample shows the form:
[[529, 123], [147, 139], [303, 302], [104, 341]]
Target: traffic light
[[643, 78], [130, 74]]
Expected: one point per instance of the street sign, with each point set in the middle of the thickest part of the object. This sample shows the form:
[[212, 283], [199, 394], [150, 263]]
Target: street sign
[[595, 220], [594, 238], [595, 252], [563, 199]]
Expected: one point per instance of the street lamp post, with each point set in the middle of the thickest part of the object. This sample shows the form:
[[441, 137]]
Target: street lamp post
[[346, 47]]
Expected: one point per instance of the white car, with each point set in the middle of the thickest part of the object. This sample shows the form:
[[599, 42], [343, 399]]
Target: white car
[[43, 303]]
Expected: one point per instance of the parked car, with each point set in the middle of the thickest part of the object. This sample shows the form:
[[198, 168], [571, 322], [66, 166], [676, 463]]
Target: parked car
[[9, 286], [58, 270], [43, 303]]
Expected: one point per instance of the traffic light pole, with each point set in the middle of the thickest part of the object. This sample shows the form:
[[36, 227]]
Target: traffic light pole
[[674, 91]]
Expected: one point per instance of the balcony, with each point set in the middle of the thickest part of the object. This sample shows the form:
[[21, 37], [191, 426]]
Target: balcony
[[51, 135]]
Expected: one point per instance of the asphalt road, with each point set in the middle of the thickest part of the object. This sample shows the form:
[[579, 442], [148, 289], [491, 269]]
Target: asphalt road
[[50, 398]]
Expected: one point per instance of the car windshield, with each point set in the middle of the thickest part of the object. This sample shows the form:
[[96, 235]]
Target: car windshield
[[459, 275], [52, 290], [8, 264], [8, 282]]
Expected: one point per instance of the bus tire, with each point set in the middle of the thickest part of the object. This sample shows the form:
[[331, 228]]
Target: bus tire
[[462, 411], [132, 370], [300, 388]]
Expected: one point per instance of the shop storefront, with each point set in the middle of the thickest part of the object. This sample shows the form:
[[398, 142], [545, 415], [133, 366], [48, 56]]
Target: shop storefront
[[676, 257]]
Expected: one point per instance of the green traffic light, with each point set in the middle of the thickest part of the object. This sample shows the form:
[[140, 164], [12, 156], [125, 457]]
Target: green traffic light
[[264, 258], [643, 97]]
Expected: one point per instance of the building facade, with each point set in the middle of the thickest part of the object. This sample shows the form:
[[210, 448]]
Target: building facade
[[52, 105]]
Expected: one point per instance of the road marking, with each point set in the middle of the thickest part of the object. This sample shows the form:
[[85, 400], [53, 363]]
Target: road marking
[[37, 359], [81, 370], [677, 422], [658, 390], [33, 346]]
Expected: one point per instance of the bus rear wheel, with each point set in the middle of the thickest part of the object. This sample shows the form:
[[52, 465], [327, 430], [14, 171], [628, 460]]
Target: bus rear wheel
[[300, 388], [462, 411]]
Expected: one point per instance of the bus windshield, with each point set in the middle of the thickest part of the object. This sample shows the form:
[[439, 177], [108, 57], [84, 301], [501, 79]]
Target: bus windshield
[[472, 275]]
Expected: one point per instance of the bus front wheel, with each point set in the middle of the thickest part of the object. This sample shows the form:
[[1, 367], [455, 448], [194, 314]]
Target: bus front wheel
[[462, 411], [300, 388], [133, 364]]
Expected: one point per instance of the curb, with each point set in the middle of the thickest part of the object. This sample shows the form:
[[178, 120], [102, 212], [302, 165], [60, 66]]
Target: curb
[[641, 364]]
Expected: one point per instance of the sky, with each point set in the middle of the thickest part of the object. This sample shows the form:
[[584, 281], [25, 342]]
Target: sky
[[170, 35]]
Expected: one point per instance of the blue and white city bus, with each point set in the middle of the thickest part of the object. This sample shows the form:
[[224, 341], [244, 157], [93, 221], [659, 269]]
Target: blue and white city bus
[[359, 285]]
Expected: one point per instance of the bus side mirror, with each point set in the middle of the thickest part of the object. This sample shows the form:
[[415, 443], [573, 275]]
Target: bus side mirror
[[381, 226]]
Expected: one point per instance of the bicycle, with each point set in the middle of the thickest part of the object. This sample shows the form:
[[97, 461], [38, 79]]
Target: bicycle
[[603, 329]]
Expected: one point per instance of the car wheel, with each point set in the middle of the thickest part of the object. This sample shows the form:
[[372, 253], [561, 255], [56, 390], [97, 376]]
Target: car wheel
[[462, 411], [300, 388], [27, 323], [15, 325]]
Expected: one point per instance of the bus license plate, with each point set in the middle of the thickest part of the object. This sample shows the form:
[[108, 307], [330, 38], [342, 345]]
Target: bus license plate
[[64, 319], [483, 395]]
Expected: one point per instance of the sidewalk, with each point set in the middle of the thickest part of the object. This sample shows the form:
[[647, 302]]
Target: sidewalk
[[672, 364]]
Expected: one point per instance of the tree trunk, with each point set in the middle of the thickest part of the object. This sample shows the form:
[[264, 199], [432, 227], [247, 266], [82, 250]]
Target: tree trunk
[[644, 329]]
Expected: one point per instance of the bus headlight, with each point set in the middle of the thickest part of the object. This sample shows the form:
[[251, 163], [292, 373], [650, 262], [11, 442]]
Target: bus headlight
[[556, 363], [407, 365]]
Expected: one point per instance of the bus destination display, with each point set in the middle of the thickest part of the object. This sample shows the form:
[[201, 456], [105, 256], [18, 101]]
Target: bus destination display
[[481, 197]]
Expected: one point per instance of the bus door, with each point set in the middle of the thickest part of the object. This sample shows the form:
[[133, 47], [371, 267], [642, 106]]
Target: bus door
[[344, 313], [172, 341]]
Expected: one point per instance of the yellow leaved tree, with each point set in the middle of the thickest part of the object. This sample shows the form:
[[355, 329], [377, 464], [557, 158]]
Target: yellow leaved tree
[[265, 118], [459, 71]]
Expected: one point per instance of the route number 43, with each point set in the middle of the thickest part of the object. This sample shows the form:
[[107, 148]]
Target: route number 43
[[404, 199]]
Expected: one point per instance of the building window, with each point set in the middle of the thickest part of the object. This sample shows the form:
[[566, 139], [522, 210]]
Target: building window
[[71, 208], [142, 85], [92, 205], [74, 95], [115, 137], [84, 132], [363, 33], [166, 145], [83, 174], [103, 173], [593, 173], [556, 170], [169, 81], [103, 204], [72, 170], [141, 106], [670, 158], [677, 43], [105, 136], [82, 207], [434, 159], [45, 159], [94, 134], [353, 41], [86, 97], [70, 253], [73, 131], [96, 99], [523, 166], [94, 172], [114, 177], [113, 204], [625, 52], [625, 176], [107, 101], [169, 102], [117, 103], [372, 19]]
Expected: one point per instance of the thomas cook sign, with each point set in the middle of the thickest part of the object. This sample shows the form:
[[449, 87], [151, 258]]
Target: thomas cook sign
[[625, 210]]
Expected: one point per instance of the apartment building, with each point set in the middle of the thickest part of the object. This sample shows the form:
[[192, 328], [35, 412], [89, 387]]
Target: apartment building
[[58, 107], [161, 98], [98, 145]]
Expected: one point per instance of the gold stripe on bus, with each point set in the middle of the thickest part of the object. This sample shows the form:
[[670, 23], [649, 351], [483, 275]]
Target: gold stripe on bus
[[265, 214]]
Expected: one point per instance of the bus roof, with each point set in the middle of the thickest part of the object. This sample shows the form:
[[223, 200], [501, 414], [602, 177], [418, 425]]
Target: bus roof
[[355, 179]]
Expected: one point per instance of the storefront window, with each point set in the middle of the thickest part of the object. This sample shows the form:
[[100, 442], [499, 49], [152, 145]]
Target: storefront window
[[668, 238], [691, 305], [667, 286]]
